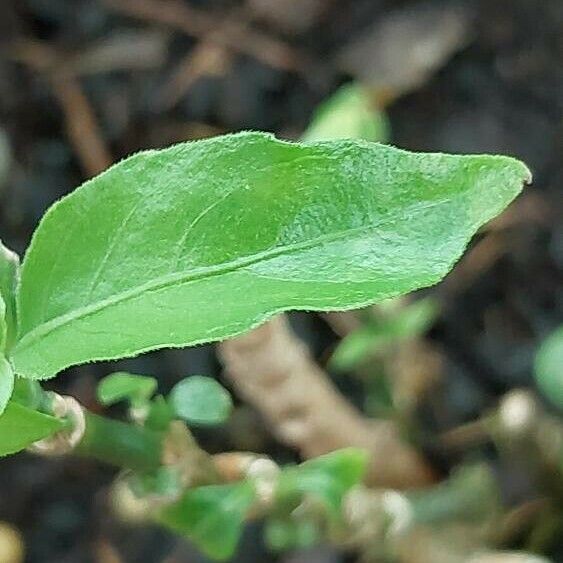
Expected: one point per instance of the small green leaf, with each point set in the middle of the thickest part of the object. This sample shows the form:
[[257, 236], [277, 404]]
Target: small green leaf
[[327, 478], [348, 114], [201, 400], [9, 277], [413, 320], [282, 534], [205, 240], [121, 386], [165, 481], [160, 415], [212, 517], [377, 335], [21, 426], [549, 367], [6, 383], [28, 393], [356, 347]]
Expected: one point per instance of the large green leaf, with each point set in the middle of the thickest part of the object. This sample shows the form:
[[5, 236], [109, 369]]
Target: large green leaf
[[9, 274], [21, 426], [205, 240]]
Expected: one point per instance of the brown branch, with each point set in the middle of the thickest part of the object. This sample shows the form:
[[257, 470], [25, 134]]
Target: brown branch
[[272, 369]]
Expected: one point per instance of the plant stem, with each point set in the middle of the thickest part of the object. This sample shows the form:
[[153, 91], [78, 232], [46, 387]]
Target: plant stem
[[120, 443], [471, 494], [274, 371]]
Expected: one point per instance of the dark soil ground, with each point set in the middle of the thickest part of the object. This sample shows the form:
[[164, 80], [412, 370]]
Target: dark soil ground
[[502, 93]]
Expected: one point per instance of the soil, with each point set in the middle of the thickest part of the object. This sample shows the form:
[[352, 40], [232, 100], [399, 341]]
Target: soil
[[501, 93]]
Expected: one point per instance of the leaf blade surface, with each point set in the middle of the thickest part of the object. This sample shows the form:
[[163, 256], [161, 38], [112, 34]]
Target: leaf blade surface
[[6, 383], [9, 277], [20, 426], [205, 240]]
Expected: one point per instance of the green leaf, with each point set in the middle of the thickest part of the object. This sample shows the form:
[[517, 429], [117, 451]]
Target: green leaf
[[379, 335], [348, 114], [6, 383], [120, 386], [3, 325], [160, 415], [412, 320], [205, 240], [201, 400], [357, 347], [21, 426], [28, 393], [212, 517], [280, 534], [9, 277], [283, 534], [327, 478], [165, 482], [549, 367]]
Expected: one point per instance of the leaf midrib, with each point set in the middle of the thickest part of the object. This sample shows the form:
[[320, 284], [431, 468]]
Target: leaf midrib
[[46, 328]]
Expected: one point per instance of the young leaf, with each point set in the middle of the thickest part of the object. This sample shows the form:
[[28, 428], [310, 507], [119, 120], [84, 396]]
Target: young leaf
[[284, 534], [378, 335], [280, 534], [201, 400], [160, 415], [9, 276], [120, 386], [348, 114], [326, 478], [205, 240], [549, 367], [165, 481], [212, 517], [21, 426], [6, 383], [357, 347]]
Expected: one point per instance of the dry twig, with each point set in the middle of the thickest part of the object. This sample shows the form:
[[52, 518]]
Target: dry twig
[[81, 124]]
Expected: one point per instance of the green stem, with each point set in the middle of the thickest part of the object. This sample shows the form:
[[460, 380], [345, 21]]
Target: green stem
[[119, 443], [470, 494]]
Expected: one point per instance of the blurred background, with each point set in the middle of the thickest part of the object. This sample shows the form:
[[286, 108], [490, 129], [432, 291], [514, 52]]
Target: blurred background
[[84, 83]]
